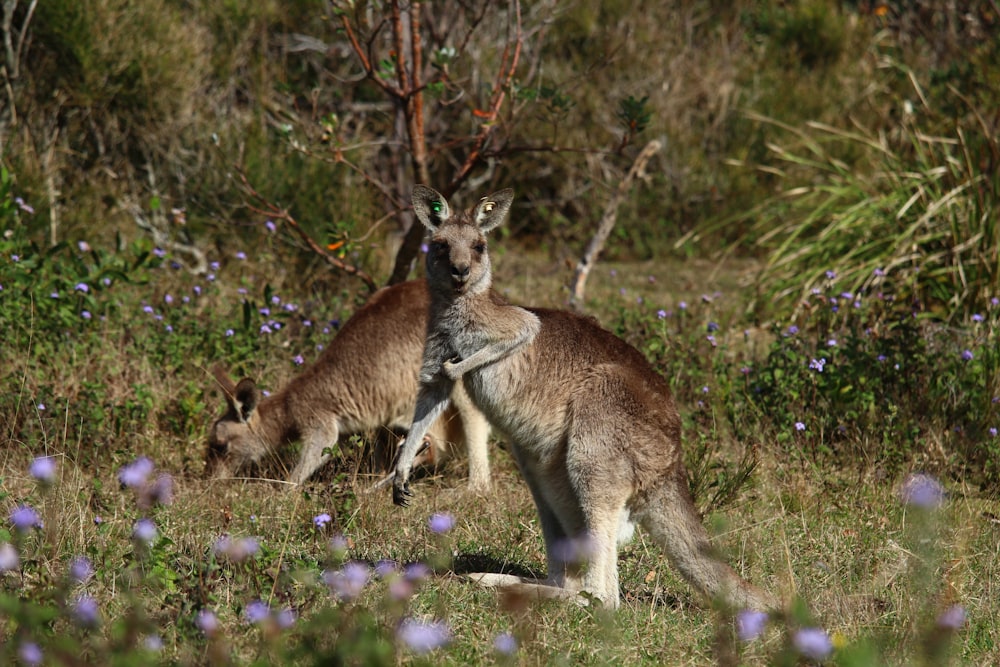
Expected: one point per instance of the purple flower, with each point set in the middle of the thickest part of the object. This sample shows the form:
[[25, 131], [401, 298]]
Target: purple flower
[[711, 339], [241, 255], [29, 653], [799, 426], [750, 624], [817, 364], [147, 309], [82, 287], [23, 206], [264, 310], [290, 307], [423, 637], [153, 643], [197, 290], [85, 314], [271, 227], [385, 568], [952, 618], [80, 569], [416, 571], [976, 317], [830, 275], [881, 358], [159, 252], [236, 550], [922, 491], [85, 612], [168, 299], [134, 475], [230, 333], [285, 618], [441, 523], [24, 518], [832, 342], [43, 469], [257, 612], [712, 326], [298, 360], [307, 323], [144, 531], [159, 492], [320, 520], [275, 300], [993, 431], [41, 407], [661, 314], [9, 559], [967, 355], [214, 266], [83, 246], [98, 520], [704, 389], [206, 621], [682, 305], [54, 295], [348, 582], [879, 272], [505, 644], [265, 329], [813, 643]]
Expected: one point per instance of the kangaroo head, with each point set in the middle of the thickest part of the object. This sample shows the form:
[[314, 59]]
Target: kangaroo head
[[457, 257], [234, 440]]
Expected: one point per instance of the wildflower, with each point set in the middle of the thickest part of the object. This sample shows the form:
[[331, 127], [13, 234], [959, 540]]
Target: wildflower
[[712, 326], [348, 582], [230, 333], [993, 431], [210, 277], [214, 266], [98, 520], [106, 282], [813, 643], [750, 624], [621, 291], [922, 491], [85, 612], [159, 252], [236, 551], [29, 653], [271, 227], [54, 295], [285, 618], [574, 550], [424, 248], [85, 314], [43, 469], [206, 621], [24, 518], [682, 305], [80, 569], [505, 643], [135, 474], [241, 255], [9, 560], [799, 426], [881, 358], [153, 643], [147, 309], [639, 300], [290, 307], [265, 329], [952, 618], [168, 299], [41, 407], [832, 342], [661, 314], [275, 325], [711, 340], [976, 317], [322, 519], [197, 290], [704, 389], [275, 300], [307, 323], [82, 287], [792, 330], [423, 637], [385, 568], [298, 360], [169, 328], [23, 206], [967, 355], [441, 523], [15, 258], [144, 531], [879, 272], [830, 275], [745, 370], [416, 571], [159, 492], [257, 612], [817, 364]]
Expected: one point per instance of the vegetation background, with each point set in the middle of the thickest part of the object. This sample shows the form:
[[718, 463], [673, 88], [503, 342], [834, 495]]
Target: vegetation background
[[812, 260]]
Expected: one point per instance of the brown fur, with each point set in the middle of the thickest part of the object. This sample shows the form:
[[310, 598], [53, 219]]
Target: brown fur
[[593, 427], [365, 379]]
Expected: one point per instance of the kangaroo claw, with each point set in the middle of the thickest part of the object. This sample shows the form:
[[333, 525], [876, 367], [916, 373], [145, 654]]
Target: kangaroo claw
[[401, 494]]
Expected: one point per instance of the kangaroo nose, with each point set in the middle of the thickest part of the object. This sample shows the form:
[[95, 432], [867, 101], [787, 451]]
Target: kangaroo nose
[[460, 272]]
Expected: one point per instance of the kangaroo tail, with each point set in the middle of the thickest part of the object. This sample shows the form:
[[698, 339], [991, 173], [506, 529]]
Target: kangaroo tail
[[669, 515]]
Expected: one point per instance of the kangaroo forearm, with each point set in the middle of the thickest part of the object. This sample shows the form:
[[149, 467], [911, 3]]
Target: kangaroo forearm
[[431, 402]]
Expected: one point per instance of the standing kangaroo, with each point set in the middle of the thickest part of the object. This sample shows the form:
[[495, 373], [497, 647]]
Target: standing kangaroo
[[366, 378], [592, 426]]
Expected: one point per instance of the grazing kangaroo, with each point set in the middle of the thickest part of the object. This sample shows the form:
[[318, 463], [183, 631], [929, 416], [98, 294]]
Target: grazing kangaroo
[[366, 378], [592, 426]]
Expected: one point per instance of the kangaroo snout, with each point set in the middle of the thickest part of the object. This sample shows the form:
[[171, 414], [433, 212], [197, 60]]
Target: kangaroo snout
[[460, 272]]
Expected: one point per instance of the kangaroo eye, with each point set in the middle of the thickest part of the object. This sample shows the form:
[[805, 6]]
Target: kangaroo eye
[[479, 248]]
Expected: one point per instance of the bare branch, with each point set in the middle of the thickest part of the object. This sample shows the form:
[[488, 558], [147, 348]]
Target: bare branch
[[607, 224]]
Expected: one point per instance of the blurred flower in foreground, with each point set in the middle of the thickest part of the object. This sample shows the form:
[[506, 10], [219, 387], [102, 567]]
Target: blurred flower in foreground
[[135, 474], [505, 643], [423, 637], [922, 491], [144, 530], [43, 469], [952, 618], [813, 643], [347, 582], [80, 569], [237, 550], [750, 624], [85, 612], [9, 560], [257, 612], [441, 523], [29, 653], [207, 622], [24, 517], [153, 643]]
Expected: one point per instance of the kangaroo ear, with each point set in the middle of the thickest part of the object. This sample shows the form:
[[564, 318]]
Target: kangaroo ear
[[491, 210], [430, 206], [245, 398]]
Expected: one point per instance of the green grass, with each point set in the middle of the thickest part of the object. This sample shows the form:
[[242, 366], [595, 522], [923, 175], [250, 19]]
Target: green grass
[[823, 528]]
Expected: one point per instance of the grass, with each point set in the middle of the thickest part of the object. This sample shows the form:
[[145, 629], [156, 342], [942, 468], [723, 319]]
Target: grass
[[829, 534]]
